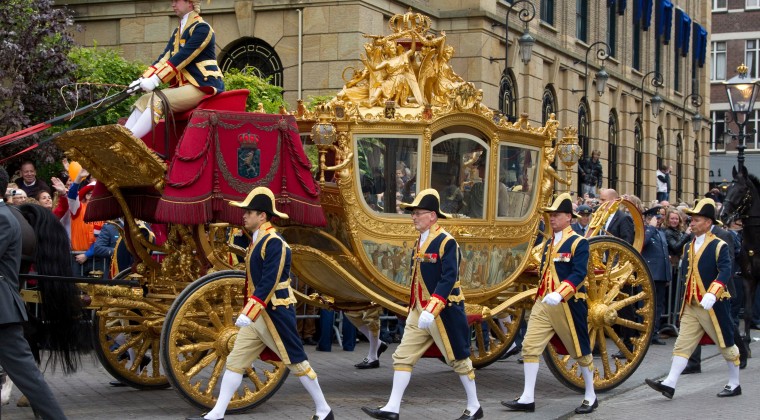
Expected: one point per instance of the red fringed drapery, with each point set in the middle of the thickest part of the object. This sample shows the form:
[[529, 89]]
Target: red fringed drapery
[[222, 156]]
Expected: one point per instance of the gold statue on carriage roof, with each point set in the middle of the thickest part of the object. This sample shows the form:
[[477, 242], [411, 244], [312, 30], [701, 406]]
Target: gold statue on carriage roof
[[405, 121]]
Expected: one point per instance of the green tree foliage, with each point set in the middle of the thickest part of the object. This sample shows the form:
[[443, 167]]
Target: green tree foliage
[[261, 90], [34, 42], [101, 72]]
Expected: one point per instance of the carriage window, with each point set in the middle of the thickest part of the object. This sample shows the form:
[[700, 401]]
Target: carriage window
[[517, 175], [458, 173], [387, 171]]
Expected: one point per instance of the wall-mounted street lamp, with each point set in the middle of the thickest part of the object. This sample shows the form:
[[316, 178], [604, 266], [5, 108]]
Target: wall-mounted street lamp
[[696, 119], [601, 76], [526, 11], [657, 100], [742, 92]]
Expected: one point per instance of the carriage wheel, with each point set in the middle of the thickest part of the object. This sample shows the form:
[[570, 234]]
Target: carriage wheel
[[492, 337], [198, 336], [620, 316], [126, 342]]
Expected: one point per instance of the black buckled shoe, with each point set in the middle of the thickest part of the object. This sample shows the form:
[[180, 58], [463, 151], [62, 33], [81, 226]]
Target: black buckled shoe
[[329, 416], [728, 392], [467, 416], [663, 389], [516, 406], [586, 408], [377, 413], [383, 347], [201, 417], [366, 364]]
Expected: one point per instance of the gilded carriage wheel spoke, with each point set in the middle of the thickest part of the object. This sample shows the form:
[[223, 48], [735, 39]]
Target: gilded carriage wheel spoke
[[630, 324], [630, 300], [618, 342], [215, 375]]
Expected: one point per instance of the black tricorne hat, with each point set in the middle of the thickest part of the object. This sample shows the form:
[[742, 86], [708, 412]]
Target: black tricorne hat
[[562, 204], [705, 207], [260, 199], [427, 200]]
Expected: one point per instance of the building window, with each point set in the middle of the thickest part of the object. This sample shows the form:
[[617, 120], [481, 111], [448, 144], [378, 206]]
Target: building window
[[660, 147], [638, 158], [677, 72], [581, 20], [752, 124], [636, 46], [696, 169], [718, 70], [719, 5], [679, 169], [583, 131], [254, 56], [547, 11], [611, 29], [508, 96], [753, 4], [612, 151], [658, 57], [548, 105], [752, 56], [718, 129]]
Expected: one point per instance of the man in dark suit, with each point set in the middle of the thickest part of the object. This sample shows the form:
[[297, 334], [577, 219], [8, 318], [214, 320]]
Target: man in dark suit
[[655, 253], [706, 309], [620, 224], [15, 354]]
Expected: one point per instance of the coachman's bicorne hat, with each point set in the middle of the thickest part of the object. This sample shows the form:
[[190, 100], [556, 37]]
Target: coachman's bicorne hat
[[705, 207], [427, 200], [562, 204], [260, 199]]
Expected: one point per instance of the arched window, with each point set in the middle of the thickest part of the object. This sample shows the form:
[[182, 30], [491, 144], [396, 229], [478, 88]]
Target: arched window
[[679, 169], [254, 54], [584, 127], [548, 104], [696, 168], [638, 158], [508, 96], [612, 151], [660, 147]]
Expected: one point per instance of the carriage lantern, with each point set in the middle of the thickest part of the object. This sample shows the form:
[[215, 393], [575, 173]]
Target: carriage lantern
[[323, 135], [568, 150]]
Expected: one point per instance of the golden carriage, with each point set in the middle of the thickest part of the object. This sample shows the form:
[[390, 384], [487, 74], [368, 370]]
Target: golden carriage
[[405, 121]]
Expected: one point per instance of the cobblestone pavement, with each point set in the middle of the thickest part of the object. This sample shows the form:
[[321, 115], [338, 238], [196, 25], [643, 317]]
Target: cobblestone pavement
[[434, 393]]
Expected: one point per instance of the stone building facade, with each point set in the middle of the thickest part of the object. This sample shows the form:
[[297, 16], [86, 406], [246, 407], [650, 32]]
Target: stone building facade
[[306, 46]]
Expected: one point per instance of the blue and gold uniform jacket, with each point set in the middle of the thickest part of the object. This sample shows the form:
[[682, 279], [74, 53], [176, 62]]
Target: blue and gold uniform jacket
[[709, 271], [563, 269], [270, 295], [435, 287], [190, 58]]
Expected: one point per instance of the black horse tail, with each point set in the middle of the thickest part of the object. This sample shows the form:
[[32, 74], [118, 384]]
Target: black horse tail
[[62, 310]]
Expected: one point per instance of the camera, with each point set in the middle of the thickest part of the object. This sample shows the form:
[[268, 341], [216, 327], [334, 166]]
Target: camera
[[688, 219]]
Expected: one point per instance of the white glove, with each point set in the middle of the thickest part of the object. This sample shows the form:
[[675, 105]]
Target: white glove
[[552, 299], [426, 320], [243, 321], [708, 301], [135, 86], [150, 83]]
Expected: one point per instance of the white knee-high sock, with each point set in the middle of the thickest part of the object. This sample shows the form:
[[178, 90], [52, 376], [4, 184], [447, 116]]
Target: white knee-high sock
[[374, 342], [401, 379], [133, 117], [143, 124], [531, 373], [733, 375], [312, 386], [588, 381], [230, 383], [472, 396], [676, 367]]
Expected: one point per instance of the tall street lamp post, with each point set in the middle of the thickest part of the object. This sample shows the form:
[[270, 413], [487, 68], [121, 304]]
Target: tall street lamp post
[[742, 92]]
